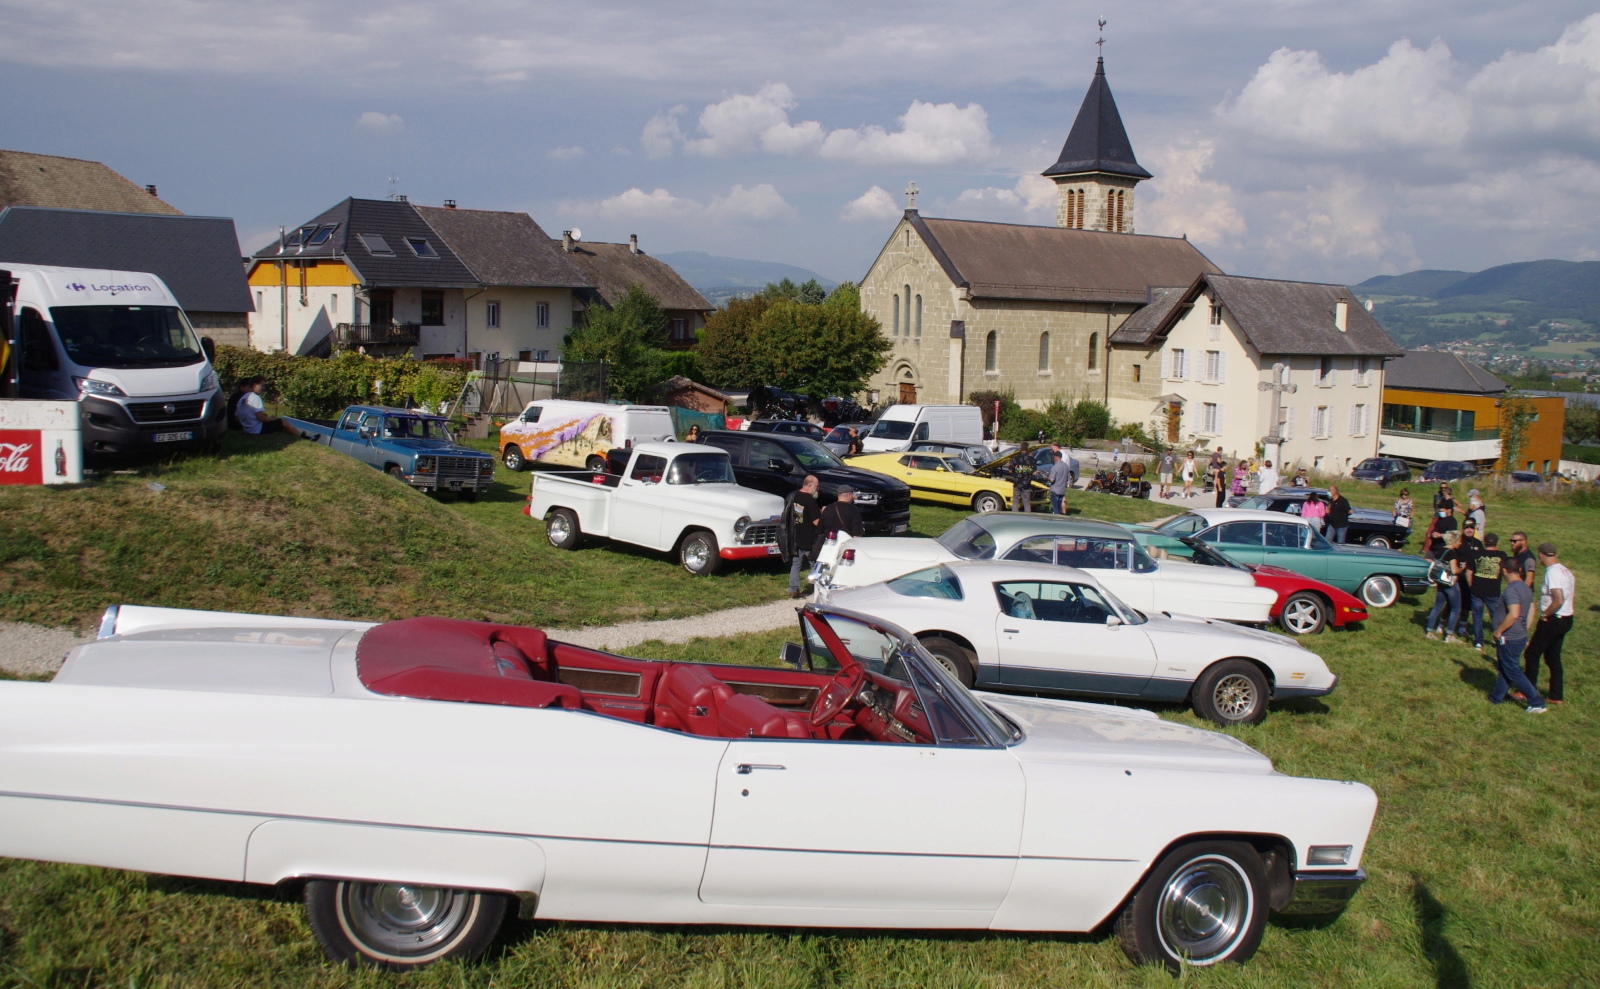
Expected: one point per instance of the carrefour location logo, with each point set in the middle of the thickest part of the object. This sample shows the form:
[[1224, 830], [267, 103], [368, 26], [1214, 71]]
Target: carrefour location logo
[[76, 286]]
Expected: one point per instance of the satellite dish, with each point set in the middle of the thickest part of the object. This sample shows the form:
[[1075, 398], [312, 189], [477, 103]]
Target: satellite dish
[[577, 234]]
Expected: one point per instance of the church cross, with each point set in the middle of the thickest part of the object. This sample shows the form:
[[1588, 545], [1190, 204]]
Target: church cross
[[911, 195]]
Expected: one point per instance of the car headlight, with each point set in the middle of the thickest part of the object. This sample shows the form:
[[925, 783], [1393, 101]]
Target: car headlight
[[866, 497], [424, 465], [89, 386], [487, 467], [741, 525], [208, 382]]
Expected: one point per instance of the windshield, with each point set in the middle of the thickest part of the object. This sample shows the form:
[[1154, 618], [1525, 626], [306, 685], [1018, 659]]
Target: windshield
[[934, 582], [1259, 502], [126, 336], [810, 453], [968, 540], [701, 468], [958, 465], [891, 429], [1180, 525], [1371, 465], [1208, 555], [408, 428], [839, 434]]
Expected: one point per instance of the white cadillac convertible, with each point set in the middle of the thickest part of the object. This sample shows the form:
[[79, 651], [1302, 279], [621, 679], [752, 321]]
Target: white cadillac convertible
[[1037, 627], [421, 776]]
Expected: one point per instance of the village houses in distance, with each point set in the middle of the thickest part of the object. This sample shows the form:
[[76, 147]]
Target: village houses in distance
[[1087, 308]]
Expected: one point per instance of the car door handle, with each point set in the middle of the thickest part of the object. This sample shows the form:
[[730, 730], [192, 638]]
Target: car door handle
[[746, 768], [1010, 631]]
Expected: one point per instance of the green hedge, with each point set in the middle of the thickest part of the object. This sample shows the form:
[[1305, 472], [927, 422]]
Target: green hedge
[[320, 387], [1582, 454]]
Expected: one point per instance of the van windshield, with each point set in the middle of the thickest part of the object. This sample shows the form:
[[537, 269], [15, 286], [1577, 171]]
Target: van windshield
[[126, 336], [892, 429]]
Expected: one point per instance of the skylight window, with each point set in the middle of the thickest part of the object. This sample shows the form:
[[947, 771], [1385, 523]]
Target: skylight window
[[421, 248], [321, 236], [376, 245]]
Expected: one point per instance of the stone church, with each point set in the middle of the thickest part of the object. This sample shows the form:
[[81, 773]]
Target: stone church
[[974, 306]]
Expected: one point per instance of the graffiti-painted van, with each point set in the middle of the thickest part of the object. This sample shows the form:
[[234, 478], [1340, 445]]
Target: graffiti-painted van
[[578, 434]]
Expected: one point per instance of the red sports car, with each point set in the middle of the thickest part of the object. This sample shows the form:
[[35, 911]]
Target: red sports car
[[1304, 606]]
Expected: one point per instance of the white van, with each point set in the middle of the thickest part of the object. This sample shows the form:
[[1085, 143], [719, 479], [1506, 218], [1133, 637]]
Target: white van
[[902, 425], [579, 434], [119, 344]]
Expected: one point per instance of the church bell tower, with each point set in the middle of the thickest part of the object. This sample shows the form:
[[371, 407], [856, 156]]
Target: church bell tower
[[1096, 172]]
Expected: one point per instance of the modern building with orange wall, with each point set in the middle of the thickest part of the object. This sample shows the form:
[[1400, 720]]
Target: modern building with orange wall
[[1440, 406]]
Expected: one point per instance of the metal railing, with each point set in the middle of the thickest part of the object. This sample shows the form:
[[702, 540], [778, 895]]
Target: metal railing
[[347, 336], [1441, 435]]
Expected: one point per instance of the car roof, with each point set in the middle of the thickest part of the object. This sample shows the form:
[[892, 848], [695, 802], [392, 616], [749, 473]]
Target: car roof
[[1011, 570], [1018, 524], [779, 438], [1216, 516], [674, 449]]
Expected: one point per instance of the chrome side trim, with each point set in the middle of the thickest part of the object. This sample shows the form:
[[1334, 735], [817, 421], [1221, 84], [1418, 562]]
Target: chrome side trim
[[108, 622]]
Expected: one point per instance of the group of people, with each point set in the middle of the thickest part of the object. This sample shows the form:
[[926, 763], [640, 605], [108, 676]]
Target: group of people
[[1024, 471], [1225, 480], [807, 525]]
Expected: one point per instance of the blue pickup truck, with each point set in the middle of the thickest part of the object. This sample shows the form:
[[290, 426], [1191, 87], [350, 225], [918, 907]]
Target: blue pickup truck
[[411, 446]]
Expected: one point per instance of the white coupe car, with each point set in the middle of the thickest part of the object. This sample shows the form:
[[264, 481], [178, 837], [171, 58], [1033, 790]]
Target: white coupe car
[[1109, 551], [423, 776], [1025, 626]]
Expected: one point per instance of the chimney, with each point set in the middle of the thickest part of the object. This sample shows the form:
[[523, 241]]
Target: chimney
[[566, 241], [449, 204], [1341, 315], [150, 189], [633, 244]]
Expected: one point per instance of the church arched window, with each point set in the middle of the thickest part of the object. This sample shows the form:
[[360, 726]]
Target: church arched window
[[1077, 223], [1044, 351], [991, 353], [919, 315], [896, 324], [1116, 210], [1094, 351]]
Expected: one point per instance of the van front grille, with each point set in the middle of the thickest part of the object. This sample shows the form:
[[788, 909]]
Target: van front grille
[[166, 411]]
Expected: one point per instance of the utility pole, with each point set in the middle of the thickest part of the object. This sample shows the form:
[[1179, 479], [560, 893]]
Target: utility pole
[[1272, 442]]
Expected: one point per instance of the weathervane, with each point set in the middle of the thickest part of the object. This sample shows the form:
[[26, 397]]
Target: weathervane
[[394, 185], [911, 195], [1101, 44]]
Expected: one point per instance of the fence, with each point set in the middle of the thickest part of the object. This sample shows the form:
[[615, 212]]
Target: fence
[[504, 388]]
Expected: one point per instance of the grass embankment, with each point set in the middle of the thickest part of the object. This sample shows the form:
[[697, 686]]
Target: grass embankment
[[1483, 861]]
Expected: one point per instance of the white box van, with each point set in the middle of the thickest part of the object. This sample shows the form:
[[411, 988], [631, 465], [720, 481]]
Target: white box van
[[578, 434], [902, 425], [119, 344]]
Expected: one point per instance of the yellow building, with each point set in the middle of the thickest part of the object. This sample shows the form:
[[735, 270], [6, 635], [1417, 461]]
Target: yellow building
[[1439, 406]]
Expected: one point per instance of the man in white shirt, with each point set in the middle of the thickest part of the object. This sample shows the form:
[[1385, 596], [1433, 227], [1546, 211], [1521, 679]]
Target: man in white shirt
[[250, 408], [1267, 476], [1555, 621]]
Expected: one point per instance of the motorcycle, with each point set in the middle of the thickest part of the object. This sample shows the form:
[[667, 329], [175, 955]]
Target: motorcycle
[[1127, 480]]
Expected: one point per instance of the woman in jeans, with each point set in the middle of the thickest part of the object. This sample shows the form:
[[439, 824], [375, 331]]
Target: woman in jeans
[[1447, 595], [1314, 510]]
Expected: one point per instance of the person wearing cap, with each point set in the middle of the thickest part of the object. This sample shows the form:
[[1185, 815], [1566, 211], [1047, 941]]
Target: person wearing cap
[[1483, 567], [840, 517], [1555, 621], [1301, 479], [1510, 637]]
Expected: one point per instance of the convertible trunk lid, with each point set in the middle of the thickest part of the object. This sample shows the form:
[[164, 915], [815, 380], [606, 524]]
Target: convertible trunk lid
[[1098, 734]]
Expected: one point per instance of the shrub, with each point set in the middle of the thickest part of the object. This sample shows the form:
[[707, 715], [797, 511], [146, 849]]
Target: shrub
[[320, 387]]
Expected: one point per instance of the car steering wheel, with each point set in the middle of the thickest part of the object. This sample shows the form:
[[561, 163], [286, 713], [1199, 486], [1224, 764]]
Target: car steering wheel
[[836, 695]]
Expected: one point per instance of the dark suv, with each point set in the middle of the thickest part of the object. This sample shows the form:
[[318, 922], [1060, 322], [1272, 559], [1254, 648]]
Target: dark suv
[[1449, 470], [779, 462], [792, 427], [1384, 470]]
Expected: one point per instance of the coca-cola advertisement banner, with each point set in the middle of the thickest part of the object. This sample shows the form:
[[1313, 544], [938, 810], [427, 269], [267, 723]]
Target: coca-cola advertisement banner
[[20, 459]]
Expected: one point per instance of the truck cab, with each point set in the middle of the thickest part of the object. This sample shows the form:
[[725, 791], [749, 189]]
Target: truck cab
[[119, 344], [412, 447]]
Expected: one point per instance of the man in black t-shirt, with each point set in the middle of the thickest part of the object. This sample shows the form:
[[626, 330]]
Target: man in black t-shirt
[[1338, 517], [1524, 556], [801, 517], [841, 516], [1484, 583]]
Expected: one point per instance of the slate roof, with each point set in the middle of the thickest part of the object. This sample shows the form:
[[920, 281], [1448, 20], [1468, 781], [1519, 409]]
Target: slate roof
[[28, 179], [197, 256], [1277, 317], [394, 222], [1054, 264], [1141, 326], [505, 248], [613, 268], [1438, 370], [1097, 142]]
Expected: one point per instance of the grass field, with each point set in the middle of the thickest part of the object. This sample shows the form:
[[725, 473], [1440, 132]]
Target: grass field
[[1485, 869]]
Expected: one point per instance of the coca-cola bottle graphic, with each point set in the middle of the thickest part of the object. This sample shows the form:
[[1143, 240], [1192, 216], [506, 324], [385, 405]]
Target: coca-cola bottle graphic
[[61, 460]]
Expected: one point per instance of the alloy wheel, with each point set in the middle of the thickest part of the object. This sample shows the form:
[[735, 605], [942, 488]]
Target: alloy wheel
[[1234, 696]]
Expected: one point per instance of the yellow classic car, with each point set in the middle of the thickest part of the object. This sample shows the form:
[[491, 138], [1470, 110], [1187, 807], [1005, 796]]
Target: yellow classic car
[[947, 478]]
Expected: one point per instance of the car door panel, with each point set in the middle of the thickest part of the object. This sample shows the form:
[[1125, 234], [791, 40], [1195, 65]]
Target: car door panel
[[777, 838], [638, 510], [1287, 548], [1086, 655]]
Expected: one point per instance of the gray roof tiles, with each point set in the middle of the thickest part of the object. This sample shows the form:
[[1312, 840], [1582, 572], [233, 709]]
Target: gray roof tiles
[[504, 248], [28, 179], [1439, 370], [613, 268], [394, 222], [1097, 142]]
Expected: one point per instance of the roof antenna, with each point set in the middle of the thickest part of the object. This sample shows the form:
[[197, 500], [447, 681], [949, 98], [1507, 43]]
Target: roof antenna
[[394, 186]]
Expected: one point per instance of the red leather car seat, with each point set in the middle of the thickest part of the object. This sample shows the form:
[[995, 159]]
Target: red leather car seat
[[436, 684], [689, 698], [746, 715], [452, 644]]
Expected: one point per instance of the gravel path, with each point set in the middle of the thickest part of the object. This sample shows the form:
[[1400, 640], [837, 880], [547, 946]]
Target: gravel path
[[30, 650]]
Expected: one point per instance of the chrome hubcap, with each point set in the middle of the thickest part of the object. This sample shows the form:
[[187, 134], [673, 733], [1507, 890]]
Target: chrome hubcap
[[1301, 616], [1235, 696], [402, 920], [696, 554], [1381, 592], [560, 531], [1204, 910]]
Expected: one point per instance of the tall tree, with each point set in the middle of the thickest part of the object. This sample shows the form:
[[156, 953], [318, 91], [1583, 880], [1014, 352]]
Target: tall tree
[[817, 349], [726, 342], [629, 337]]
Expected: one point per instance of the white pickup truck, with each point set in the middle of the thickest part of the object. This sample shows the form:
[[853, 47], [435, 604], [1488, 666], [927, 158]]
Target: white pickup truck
[[673, 497]]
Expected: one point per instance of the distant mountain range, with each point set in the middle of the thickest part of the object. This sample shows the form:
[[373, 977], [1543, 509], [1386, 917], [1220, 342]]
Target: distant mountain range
[[1519, 304], [720, 279]]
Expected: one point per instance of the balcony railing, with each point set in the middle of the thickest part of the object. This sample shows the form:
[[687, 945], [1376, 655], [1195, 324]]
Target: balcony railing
[[1441, 435], [347, 336]]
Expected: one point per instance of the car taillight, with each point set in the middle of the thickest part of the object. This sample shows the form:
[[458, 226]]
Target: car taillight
[[848, 556]]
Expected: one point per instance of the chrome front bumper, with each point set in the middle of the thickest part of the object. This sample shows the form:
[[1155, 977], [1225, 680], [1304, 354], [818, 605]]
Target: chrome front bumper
[[1322, 893]]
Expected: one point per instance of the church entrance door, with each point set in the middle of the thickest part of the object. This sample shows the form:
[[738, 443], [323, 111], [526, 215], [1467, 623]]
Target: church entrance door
[[908, 393]]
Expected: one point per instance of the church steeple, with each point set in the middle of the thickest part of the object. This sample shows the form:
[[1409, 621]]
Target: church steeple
[[1096, 171]]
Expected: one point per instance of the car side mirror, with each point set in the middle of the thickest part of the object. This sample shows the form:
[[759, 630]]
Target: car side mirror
[[1112, 621], [366, 432], [792, 654], [781, 466], [209, 347]]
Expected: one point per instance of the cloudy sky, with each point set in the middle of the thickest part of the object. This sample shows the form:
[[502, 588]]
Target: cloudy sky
[[1289, 138]]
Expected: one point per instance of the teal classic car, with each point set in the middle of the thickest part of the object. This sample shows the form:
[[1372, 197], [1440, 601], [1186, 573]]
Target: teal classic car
[[1375, 575]]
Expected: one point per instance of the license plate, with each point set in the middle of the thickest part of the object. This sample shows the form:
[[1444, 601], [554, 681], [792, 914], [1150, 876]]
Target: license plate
[[901, 528], [773, 551], [455, 485], [172, 437]]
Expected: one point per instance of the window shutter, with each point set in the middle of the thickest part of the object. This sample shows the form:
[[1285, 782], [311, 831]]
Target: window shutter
[[1366, 426], [1222, 368], [1166, 364], [1288, 425], [1219, 419], [1355, 419]]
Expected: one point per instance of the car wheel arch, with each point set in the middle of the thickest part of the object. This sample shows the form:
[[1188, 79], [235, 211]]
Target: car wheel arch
[[1266, 671], [1277, 855]]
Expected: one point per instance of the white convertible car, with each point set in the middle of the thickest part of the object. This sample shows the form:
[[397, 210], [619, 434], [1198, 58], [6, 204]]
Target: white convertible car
[[423, 776], [1028, 626], [1109, 551]]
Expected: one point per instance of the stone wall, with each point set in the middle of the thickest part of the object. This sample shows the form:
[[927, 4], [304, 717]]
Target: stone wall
[[226, 329], [1096, 189]]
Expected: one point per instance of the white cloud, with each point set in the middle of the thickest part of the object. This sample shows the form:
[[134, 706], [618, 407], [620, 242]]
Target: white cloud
[[636, 204], [1032, 197], [373, 122], [1341, 222], [752, 123], [874, 204], [760, 202], [565, 154], [738, 205], [1181, 200]]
